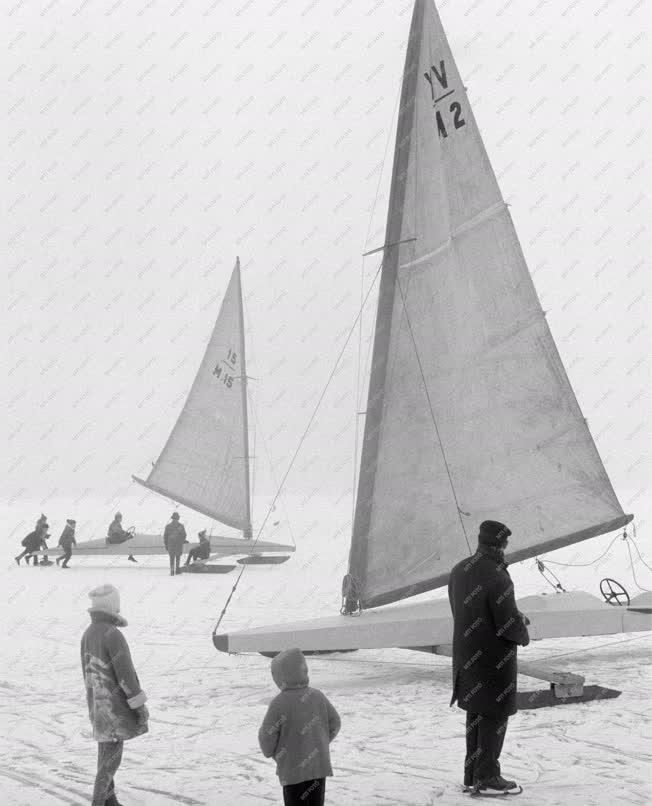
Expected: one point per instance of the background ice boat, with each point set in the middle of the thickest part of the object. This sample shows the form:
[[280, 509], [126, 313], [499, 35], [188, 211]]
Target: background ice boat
[[204, 464]]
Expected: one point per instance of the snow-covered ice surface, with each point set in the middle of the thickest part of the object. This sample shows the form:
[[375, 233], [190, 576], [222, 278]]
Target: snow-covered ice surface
[[400, 742]]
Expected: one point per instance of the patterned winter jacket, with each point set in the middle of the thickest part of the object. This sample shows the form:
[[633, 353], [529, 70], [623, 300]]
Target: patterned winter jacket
[[113, 691]]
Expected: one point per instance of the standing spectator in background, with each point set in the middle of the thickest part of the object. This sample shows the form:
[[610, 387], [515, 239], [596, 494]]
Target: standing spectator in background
[[174, 537]]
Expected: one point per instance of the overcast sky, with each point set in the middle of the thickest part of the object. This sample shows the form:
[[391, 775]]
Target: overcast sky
[[149, 143]]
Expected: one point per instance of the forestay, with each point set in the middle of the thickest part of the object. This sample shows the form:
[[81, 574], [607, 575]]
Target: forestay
[[204, 464], [470, 413]]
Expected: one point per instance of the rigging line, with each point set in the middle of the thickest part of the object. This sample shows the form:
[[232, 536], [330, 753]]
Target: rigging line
[[271, 468], [585, 565], [299, 446], [543, 571], [257, 423], [640, 556], [432, 414], [631, 564]]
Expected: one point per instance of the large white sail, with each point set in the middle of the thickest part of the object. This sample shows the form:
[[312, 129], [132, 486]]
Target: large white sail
[[205, 463], [470, 413]]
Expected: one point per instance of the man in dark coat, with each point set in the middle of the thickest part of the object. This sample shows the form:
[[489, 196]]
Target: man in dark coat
[[67, 541], [174, 537], [487, 630]]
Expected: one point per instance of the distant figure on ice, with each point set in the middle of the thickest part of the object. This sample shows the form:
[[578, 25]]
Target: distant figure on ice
[[202, 551], [174, 537], [299, 725], [35, 541], [116, 534], [487, 629], [43, 525], [67, 541], [116, 702]]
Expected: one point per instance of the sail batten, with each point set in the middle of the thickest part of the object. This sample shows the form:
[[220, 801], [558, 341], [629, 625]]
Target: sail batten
[[470, 413], [204, 464]]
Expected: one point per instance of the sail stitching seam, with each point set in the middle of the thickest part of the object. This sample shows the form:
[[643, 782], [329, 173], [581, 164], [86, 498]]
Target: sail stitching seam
[[468, 225]]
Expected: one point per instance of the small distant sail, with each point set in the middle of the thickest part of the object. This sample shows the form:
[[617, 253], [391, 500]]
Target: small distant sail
[[205, 463], [470, 413]]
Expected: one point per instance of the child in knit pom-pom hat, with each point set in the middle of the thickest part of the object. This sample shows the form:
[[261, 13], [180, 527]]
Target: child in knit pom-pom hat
[[299, 726], [116, 702]]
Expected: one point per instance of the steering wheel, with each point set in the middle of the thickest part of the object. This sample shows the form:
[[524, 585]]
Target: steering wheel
[[613, 592]]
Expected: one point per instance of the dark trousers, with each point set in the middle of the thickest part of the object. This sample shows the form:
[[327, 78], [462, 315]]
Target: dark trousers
[[484, 742], [307, 793], [109, 756], [67, 554], [194, 554], [175, 560], [28, 553]]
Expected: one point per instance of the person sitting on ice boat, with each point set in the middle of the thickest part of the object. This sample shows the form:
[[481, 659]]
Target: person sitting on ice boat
[[174, 537], [297, 730], [34, 542], [67, 541], [202, 551], [116, 702], [116, 534], [487, 628]]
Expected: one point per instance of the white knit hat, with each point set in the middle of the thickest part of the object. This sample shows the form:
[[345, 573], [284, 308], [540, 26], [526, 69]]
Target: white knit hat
[[106, 599]]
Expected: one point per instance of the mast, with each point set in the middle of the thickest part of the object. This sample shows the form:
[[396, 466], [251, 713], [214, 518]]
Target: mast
[[247, 531], [380, 357]]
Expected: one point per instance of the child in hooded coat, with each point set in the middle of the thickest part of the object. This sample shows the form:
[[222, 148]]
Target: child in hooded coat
[[299, 726]]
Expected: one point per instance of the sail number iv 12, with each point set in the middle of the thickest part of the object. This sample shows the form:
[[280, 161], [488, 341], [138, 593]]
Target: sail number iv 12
[[438, 74]]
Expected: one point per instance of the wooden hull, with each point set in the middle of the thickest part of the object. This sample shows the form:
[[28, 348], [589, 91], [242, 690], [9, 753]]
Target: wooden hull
[[429, 624], [152, 545]]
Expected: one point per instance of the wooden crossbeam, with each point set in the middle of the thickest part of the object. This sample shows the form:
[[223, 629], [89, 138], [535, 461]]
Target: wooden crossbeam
[[528, 668]]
